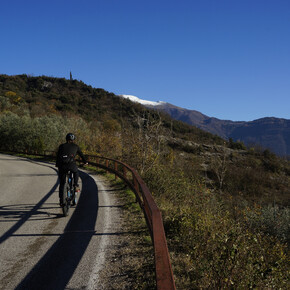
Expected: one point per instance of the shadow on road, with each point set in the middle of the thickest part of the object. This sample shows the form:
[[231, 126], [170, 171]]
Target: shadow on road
[[57, 266], [24, 215], [15, 212]]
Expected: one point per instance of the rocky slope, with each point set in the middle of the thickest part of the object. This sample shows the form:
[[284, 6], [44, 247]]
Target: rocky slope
[[270, 133]]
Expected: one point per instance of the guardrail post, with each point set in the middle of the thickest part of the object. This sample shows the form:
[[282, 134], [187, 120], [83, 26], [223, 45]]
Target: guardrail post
[[107, 165], [124, 171]]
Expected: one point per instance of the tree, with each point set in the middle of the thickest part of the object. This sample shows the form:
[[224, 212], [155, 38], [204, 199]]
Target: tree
[[143, 145], [219, 166]]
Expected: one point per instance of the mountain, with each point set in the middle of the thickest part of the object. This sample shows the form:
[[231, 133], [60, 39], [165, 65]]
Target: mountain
[[40, 96], [270, 133]]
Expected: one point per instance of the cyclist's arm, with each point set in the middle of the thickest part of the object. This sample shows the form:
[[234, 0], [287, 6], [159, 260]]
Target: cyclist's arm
[[80, 153]]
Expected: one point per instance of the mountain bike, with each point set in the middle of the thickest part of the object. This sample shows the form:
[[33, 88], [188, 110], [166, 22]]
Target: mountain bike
[[69, 194]]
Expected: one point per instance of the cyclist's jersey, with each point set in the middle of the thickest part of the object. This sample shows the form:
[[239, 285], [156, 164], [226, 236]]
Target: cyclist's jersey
[[66, 155]]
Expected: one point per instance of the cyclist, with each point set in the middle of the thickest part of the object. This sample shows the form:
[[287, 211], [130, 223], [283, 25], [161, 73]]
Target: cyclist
[[65, 161]]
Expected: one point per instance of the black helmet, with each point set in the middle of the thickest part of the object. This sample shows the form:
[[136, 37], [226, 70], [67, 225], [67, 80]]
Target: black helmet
[[70, 137]]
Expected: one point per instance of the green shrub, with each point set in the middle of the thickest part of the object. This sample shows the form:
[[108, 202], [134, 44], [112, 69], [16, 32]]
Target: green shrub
[[21, 133], [270, 219], [236, 145]]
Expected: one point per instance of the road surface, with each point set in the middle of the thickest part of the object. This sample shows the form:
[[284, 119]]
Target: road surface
[[41, 249]]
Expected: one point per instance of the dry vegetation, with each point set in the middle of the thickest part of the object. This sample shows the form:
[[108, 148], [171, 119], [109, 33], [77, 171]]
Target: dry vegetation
[[225, 207]]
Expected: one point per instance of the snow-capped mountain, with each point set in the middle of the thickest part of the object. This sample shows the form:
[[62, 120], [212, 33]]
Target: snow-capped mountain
[[143, 102], [271, 133]]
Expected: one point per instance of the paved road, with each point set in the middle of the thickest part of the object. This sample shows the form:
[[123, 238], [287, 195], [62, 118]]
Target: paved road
[[41, 249]]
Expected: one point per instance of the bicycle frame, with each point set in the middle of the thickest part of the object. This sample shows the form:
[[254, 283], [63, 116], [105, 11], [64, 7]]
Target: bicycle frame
[[69, 193]]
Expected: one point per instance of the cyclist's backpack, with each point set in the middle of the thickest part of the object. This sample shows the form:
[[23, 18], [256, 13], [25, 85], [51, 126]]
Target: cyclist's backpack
[[66, 158]]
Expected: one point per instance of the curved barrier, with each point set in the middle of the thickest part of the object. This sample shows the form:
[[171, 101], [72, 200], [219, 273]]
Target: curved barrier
[[164, 274], [163, 269]]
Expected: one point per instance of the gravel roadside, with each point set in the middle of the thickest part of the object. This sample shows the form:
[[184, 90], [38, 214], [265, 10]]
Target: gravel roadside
[[129, 258]]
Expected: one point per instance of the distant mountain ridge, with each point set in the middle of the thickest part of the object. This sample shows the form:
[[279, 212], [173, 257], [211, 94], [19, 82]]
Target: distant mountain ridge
[[269, 132]]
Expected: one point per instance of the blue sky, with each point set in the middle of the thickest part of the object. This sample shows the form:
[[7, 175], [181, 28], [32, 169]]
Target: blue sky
[[228, 59]]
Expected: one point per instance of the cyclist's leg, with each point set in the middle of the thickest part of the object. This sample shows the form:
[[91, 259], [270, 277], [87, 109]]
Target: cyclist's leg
[[62, 176], [76, 189], [75, 171]]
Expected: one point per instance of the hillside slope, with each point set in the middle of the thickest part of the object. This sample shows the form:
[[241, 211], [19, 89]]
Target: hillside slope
[[41, 96], [270, 133], [44, 108]]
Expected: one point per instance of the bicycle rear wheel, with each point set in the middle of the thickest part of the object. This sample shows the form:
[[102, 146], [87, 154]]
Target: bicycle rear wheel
[[66, 201], [73, 196]]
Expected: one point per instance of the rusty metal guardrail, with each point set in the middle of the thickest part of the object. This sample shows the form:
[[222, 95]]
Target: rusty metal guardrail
[[163, 269]]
